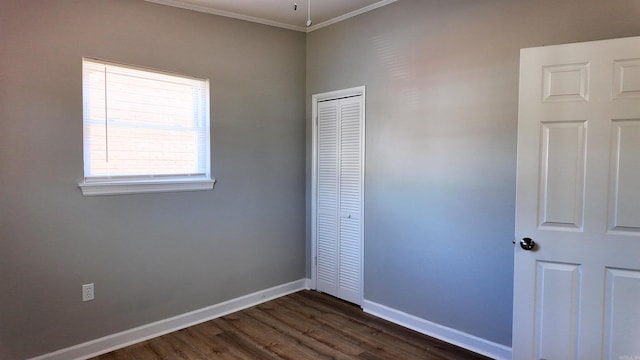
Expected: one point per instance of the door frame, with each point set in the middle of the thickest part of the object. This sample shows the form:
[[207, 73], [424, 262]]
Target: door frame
[[315, 99]]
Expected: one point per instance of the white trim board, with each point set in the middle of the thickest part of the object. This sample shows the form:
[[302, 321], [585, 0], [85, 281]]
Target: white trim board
[[128, 337], [230, 14], [350, 15], [452, 336]]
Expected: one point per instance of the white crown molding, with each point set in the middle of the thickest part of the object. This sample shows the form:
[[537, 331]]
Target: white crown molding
[[230, 14], [350, 15]]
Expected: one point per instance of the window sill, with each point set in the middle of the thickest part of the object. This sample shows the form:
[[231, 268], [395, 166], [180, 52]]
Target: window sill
[[122, 187]]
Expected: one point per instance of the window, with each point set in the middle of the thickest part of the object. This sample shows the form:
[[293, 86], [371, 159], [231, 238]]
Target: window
[[144, 131]]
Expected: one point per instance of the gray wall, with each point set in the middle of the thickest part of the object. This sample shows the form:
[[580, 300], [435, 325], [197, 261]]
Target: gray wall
[[442, 91], [441, 79], [157, 255]]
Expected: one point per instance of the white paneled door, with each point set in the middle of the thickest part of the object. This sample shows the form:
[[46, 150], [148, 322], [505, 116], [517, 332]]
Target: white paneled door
[[339, 191], [577, 254]]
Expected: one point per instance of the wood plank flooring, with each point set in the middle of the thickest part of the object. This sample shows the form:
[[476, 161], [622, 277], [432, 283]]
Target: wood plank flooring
[[303, 325]]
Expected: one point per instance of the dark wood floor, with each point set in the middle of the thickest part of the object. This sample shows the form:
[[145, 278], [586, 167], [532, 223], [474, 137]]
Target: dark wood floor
[[304, 325]]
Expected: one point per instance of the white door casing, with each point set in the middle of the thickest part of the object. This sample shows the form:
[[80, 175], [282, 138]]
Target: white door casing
[[338, 189], [577, 293]]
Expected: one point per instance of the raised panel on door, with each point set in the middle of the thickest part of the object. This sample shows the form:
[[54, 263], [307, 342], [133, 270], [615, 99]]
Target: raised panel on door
[[562, 174], [626, 78], [622, 314], [566, 82], [557, 289], [624, 206]]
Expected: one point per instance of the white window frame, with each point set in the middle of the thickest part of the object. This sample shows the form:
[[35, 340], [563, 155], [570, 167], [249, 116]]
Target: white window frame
[[117, 185]]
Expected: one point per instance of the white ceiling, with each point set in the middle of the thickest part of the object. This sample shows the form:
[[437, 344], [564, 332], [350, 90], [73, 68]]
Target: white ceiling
[[281, 12]]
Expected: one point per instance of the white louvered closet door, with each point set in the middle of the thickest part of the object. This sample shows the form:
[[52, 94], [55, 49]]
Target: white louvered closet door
[[339, 198]]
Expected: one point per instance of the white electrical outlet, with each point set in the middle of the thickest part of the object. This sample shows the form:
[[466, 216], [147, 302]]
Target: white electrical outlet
[[87, 292]]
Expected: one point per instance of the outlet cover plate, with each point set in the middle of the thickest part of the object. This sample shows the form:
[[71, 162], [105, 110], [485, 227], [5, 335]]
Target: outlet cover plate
[[87, 292]]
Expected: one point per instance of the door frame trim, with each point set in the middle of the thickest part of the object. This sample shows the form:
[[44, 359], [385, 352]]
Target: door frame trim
[[315, 99]]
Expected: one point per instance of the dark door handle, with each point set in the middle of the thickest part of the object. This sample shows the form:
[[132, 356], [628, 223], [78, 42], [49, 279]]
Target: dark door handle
[[527, 244]]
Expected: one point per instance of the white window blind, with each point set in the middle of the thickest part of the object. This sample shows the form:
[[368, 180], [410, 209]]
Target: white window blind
[[144, 128]]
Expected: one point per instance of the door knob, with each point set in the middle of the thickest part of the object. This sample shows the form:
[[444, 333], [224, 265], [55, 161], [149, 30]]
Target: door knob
[[527, 244]]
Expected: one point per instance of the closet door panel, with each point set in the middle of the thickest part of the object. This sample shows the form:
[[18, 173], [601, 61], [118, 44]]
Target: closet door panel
[[327, 198], [350, 199], [339, 189]]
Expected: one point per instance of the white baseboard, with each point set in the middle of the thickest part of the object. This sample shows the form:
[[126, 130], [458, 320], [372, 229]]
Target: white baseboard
[[452, 336], [128, 337]]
